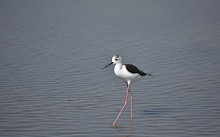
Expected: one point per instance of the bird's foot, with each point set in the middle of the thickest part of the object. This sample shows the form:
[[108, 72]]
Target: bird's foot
[[113, 124]]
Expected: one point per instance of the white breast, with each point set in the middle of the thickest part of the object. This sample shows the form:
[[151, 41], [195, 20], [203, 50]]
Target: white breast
[[121, 72]]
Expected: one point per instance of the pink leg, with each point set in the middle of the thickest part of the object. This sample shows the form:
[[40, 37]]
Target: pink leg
[[131, 103], [126, 101]]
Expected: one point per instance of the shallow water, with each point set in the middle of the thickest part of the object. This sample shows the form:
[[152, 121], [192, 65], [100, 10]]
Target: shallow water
[[52, 52]]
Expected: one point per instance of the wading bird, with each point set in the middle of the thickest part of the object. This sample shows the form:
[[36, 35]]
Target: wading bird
[[128, 73]]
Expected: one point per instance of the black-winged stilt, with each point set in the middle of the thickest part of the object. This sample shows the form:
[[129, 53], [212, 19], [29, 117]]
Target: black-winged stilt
[[128, 73]]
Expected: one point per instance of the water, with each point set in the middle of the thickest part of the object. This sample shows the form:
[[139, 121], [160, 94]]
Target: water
[[52, 52]]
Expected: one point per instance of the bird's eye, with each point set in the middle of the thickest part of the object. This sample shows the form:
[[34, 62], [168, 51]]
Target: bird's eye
[[116, 59]]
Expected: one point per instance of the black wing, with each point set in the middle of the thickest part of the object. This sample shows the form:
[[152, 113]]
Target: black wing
[[133, 69]]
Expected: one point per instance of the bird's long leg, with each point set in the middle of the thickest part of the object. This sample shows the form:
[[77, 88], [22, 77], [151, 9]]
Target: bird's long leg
[[126, 101], [131, 103]]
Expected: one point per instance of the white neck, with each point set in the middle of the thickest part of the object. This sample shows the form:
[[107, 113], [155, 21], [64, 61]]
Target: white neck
[[118, 68]]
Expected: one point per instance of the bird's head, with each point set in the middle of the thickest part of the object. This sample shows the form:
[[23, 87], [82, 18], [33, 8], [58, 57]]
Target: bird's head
[[115, 60]]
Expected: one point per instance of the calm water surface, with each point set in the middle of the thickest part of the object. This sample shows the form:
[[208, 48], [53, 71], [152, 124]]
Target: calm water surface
[[52, 52]]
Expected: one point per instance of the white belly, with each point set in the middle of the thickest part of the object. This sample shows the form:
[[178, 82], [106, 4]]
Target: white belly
[[125, 75]]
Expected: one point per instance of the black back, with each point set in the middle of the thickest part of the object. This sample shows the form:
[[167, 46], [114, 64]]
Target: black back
[[133, 69]]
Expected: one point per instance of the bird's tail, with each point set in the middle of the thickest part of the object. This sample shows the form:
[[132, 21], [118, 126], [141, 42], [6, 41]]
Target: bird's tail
[[144, 74], [148, 74]]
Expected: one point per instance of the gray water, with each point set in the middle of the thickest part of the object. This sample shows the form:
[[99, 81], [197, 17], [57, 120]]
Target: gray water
[[52, 52]]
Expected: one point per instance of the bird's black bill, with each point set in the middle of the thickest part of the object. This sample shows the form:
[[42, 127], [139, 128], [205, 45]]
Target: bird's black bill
[[108, 65]]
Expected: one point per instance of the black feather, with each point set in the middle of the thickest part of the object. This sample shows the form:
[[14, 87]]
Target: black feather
[[133, 69]]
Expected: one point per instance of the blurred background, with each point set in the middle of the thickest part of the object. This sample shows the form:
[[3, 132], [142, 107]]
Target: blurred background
[[52, 52]]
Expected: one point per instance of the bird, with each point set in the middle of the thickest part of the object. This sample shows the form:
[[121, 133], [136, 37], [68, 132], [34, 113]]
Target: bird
[[128, 73]]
